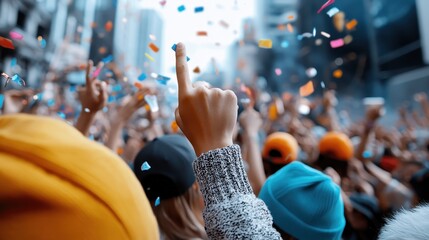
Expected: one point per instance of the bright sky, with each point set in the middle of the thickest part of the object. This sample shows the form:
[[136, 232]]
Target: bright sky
[[183, 26]]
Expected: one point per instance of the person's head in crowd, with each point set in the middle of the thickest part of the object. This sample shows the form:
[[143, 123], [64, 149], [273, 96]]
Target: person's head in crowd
[[58, 184], [280, 148], [335, 150], [407, 224], [304, 203], [164, 169], [420, 184], [365, 216]]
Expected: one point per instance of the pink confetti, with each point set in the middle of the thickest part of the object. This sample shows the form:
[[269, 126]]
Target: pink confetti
[[278, 71], [15, 35], [96, 72], [329, 2], [337, 43]]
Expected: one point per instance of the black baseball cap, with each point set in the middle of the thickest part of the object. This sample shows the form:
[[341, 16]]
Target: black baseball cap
[[170, 174]]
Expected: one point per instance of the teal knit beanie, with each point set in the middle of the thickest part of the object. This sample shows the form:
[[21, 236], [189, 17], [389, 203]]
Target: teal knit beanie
[[304, 202]]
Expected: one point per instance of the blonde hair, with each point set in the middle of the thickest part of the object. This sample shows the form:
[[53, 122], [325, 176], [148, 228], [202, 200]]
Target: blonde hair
[[176, 217]]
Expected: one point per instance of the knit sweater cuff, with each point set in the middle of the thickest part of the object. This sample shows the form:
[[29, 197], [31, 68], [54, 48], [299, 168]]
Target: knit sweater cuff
[[220, 174]]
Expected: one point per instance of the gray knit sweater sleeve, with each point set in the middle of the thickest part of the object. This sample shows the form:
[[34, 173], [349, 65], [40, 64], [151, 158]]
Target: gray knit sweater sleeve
[[231, 209]]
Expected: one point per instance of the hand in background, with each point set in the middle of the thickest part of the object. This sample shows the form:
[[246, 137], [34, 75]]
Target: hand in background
[[250, 120], [16, 100], [93, 96], [206, 116]]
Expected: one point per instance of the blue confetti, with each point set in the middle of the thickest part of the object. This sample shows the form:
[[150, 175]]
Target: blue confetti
[[107, 59], [285, 44], [199, 9], [105, 109], [145, 166], [111, 99], [13, 62], [91, 137], [1, 100], [61, 115], [157, 202], [367, 154], [42, 43], [333, 11], [16, 78], [174, 49], [72, 88], [117, 88], [181, 8], [162, 79], [51, 102], [142, 77]]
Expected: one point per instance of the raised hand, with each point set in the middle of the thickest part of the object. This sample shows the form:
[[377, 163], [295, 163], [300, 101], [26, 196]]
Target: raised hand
[[16, 100], [207, 116], [93, 96]]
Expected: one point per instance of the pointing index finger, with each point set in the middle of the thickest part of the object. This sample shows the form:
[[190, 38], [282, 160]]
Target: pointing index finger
[[182, 71]]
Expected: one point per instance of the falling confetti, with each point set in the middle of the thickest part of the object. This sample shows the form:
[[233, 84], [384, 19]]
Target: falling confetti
[[16, 78], [307, 89], [153, 47], [42, 41], [322, 84], [107, 59], [289, 27], [162, 79], [181, 8], [96, 72], [174, 49], [278, 71], [325, 34], [265, 43], [337, 43], [152, 37], [61, 115], [6, 43], [199, 9], [145, 166], [162, 3], [152, 101], [13, 62], [15, 35], [202, 33], [284, 44], [329, 2], [1, 101], [149, 57], [348, 39], [87, 110], [333, 11], [351, 25], [102, 50], [138, 85], [142, 77], [108, 26], [157, 202], [314, 32], [196, 70], [337, 73], [311, 72], [223, 24]]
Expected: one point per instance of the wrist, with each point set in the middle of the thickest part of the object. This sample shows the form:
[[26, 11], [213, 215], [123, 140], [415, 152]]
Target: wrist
[[212, 145]]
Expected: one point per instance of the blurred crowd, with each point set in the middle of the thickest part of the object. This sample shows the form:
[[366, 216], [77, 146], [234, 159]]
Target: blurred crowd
[[320, 174]]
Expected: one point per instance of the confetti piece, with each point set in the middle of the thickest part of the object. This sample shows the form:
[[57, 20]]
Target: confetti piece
[[337, 43], [108, 26], [96, 72], [202, 33], [289, 27], [305, 35], [322, 84], [278, 71], [153, 47], [181, 8], [325, 34], [87, 110], [284, 44], [42, 42], [116, 88], [352, 24], [138, 85], [61, 115], [152, 37], [174, 49], [329, 2], [281, 27], [51, 102], [223, 24], [333, 11], [265, 43], [162, 3], [16, 78], [307, 89], [291, 17], [337, 73], [152, 101], [157, 202], [145, 166], [314, 32], [149, 57], [105, 109], [142, 77], [162, 79], [15, 35], [1, 100], [348, 39], [199, 9], [102, 50], [196, 70], [6, 43], [107, 59], [13, 62], [311, 72]]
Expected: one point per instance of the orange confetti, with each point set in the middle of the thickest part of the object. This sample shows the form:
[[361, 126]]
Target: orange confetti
[[6, 43], [196, 70], [120, 151], [307, 89], [281, 27], [108, 26], [265, 43], [102, 50], [352, 24], [138, 85], [202, 33], [337, 73], [272, 112], [153, 47], [290, 27], [174, 127]]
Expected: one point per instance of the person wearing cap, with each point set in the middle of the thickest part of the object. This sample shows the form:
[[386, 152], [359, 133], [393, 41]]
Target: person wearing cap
[[164, 169], [304, 203], [57, 184], [280, 149]]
